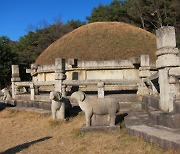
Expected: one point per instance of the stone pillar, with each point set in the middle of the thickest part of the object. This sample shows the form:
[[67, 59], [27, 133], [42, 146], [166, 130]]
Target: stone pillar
[[15, 78], [100, 89], [167, 59], [59, 77], [144, 72]]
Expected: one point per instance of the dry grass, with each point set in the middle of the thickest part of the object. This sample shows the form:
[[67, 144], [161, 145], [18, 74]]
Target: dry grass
[[101, 41], [27, 132]]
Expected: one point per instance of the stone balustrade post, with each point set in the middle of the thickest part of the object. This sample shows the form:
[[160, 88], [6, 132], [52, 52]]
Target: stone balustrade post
[[32, 92], [167, 59], [144, 72], [15, 78], [59, 73], [100, 89], [59, 77]]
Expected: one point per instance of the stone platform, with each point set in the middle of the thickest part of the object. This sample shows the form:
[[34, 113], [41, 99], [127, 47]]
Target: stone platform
[[138, 124], [85, 129], [31, 109]]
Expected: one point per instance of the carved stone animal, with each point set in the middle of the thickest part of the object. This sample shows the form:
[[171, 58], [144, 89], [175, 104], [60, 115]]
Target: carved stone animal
[[98, 106], [56, 98], [6, 94]]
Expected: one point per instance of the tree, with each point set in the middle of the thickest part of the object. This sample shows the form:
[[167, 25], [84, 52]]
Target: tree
[[30, 46], [116, 11], [7, 58], [147, 14], [75, 24]]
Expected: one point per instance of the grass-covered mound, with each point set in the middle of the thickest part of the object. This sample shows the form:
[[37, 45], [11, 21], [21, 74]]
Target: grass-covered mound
[[101, 41]]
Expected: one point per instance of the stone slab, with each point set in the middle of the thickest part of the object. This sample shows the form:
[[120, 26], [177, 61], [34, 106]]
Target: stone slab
[[138, 124], [99, 128], [165, 139], [31, 109]]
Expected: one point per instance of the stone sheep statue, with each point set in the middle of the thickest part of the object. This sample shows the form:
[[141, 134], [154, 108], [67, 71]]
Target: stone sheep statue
[[97, 106], [56, 98]]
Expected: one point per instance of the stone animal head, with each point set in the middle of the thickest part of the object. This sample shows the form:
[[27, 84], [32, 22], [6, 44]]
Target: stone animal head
[[78, 96], [55, 95]]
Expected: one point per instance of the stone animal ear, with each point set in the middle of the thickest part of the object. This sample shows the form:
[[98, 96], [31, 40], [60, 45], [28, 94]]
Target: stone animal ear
[[51, 97], [82, 96], [59, 95]]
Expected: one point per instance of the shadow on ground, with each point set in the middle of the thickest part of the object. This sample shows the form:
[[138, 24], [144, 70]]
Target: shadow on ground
[[74, 111], [4, 105], [120, 118], [21, 147]]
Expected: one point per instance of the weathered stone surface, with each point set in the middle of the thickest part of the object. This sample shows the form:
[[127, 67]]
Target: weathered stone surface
[[145, 61], [167, 60], [150, 101], [165, 37], [100, 120], [165, 139], [138, 124], [177, 106], [165, 119], [175, 71], [96, 106], [15, 70], [144, 73], [164, 51], [166, 103], [100, 86]]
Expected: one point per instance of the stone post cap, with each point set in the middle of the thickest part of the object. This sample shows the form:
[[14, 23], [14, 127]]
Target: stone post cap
[[165, 37], [58, 61], [100, 84], [15, 70], [34, 66]]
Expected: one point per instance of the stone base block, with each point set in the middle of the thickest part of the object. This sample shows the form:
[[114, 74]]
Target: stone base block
[[99, 128]]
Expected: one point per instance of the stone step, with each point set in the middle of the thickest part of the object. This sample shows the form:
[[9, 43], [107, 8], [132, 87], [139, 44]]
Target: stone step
[[150, 101], [32, 109], [177, 107], [165, 139], [164, 119], [138, 124], [34, 104]]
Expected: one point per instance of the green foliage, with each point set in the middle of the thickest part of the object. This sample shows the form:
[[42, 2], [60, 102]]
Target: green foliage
[[35, 42], [74, 24], [116, 11], [7, 58]]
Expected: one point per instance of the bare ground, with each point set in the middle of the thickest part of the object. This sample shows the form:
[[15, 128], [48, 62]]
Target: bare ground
[[29, 132]]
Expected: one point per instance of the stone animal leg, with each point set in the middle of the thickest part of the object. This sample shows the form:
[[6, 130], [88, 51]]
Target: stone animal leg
[[59, 115], [88, 118], [112, 120], [53, 110]]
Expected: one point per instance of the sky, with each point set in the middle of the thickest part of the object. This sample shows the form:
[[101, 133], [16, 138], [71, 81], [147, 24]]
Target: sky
[[17, 16]]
